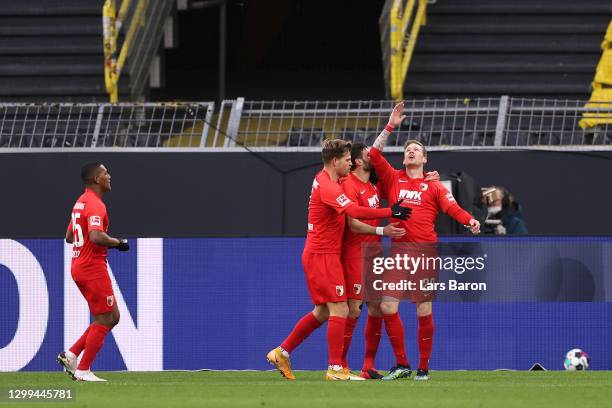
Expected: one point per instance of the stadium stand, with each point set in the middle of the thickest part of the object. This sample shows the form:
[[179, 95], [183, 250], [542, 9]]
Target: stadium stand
[[536, 48], [52, 51]]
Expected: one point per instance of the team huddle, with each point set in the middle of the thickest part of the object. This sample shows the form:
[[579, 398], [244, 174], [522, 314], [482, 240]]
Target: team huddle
[[343, 218]]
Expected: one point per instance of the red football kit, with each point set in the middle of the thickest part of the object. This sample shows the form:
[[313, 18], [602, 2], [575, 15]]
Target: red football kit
[[353, 258], [426, 198], [327, 208], [89, 265], [326, 221]]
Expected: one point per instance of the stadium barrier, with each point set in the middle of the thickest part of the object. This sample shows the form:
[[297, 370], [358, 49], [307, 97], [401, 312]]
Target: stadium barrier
[[444, 124], [222, 303]]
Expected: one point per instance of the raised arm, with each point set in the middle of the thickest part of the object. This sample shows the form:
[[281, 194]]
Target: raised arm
[[395, 120]]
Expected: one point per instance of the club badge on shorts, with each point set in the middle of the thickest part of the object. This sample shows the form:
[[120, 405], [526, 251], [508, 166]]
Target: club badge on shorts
[[110, 300], [339, 290], [356, 288]]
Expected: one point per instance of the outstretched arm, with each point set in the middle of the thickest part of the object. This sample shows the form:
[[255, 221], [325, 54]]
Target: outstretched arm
[[366, 213], [395, 120], [449, 206]]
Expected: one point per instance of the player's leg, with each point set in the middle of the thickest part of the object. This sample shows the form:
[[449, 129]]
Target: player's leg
[[395, 330], [373, 333], [338, 312], [352, 269], [102, 304], [304, 327], [69, 358], [354, 307], [279, 357], [425, 335], [423, 301]]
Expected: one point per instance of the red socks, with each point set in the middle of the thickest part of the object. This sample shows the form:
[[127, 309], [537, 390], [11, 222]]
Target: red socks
[[335, 339], [348, 336], [395, 331], [302, 329], [425, 335], [78, 347], [372, 337], [93, 344]]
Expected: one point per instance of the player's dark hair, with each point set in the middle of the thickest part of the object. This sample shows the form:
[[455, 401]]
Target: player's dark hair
[[409, 142], [334, 149], [88, 172], [356, 153]]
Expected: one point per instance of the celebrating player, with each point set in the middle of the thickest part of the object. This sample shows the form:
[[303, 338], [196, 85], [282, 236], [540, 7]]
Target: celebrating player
[[87, 232], [426, 198], [363, 236], [321, 260]]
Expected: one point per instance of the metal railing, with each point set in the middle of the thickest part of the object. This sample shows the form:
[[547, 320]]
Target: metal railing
[[475, 123], [151, 125], [485, 123], [143, 22]]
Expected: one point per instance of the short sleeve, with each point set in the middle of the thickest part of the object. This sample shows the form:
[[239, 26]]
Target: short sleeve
[[333, 196], [95, 213], [445, 198]]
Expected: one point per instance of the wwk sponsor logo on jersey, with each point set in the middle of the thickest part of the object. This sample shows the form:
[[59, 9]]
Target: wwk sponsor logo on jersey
[[373, 201], [413, 197]]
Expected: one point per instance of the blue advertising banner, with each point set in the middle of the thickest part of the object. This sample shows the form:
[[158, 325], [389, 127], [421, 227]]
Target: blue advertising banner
[[223, 303]]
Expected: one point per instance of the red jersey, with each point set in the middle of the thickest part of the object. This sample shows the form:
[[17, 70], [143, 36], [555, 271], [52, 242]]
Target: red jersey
[[426, 198], [326, 219], [88, 259], [365, 195]]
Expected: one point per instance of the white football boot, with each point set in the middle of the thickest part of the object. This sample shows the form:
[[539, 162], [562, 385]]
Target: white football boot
[[86, 375]]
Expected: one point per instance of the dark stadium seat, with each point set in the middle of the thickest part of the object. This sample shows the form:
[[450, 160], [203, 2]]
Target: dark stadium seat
[[305, 137]]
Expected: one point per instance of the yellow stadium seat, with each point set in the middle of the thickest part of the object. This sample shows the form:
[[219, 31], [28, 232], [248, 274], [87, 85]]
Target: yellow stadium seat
[[600, 98], [603, 73]]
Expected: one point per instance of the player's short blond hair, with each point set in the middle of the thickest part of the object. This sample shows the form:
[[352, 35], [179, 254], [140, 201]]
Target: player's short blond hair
[[334, 149], [412, 141]]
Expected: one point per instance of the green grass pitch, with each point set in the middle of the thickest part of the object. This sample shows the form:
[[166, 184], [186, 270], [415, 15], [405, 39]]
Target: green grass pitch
[[268, 389]]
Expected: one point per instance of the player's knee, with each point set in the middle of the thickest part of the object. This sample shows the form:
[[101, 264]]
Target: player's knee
[[424, 309], [389, 308], [374, 310], [354, 310], [321, 313], [340, 309]]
